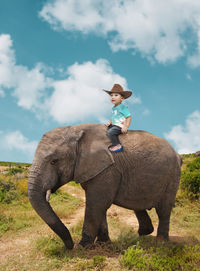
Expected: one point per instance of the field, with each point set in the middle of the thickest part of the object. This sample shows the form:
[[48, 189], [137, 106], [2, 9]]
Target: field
[[26, 242]]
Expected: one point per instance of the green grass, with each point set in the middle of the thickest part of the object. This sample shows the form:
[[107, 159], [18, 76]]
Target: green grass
[[45, 251], [16, 212], [141, 253], [64, 204], [161, 257], [54, 250]]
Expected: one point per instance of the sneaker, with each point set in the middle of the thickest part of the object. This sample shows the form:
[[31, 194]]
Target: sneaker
[[115, 148]]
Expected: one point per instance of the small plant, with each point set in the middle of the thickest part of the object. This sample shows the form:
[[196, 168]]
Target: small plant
[[97, 263], [5, 223]]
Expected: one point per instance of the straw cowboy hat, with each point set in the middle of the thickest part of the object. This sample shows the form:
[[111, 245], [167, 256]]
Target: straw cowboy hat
[[117, 88]]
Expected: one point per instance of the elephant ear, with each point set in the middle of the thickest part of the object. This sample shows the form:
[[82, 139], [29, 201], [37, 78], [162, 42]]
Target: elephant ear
[[93, 155]]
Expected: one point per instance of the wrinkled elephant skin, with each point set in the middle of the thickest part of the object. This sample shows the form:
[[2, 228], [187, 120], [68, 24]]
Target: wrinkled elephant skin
[[144, 175]]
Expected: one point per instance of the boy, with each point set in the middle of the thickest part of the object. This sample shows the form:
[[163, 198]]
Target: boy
[[121, 117]]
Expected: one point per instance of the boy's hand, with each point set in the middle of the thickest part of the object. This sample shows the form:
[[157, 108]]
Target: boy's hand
[[108, 123], [124, 130]]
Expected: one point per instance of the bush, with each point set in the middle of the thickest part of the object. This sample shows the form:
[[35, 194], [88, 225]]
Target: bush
[[190, 178], [14, 170], [7, 192], [162, 257]]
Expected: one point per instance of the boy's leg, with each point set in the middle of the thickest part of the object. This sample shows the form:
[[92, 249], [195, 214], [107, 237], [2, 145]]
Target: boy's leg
[[113, 132]]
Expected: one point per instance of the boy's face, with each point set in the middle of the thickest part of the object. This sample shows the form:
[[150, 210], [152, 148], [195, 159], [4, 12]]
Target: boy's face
[[116, 98]]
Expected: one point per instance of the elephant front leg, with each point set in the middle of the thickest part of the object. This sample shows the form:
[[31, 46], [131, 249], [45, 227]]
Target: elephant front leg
[[92, 226], [145, 224], [103, 235], [100, 193]]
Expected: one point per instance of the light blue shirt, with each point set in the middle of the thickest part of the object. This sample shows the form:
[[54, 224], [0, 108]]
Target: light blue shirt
[[119, 115]]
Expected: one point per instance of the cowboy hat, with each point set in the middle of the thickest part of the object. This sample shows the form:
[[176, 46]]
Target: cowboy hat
[[117, 88]]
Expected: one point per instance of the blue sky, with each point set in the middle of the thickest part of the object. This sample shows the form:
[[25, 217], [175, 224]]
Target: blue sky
[[56, 57]]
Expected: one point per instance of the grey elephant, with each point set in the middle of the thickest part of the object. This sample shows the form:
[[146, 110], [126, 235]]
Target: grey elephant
[[144, 175]]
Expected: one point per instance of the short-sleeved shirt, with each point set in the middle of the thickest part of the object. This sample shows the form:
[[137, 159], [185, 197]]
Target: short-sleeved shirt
[[119, 114]]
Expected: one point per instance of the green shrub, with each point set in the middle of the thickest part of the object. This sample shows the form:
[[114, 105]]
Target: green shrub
[[162, 258], [135, 257], [7, 192], [190, 178], [14, 170]]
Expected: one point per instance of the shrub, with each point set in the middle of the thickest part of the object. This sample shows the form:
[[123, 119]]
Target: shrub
[[190, 178], [162, 257], [7, 192], [135, 257], [14, 170]]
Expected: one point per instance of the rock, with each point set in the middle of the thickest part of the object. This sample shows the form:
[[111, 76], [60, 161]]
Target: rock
[[197, 154]]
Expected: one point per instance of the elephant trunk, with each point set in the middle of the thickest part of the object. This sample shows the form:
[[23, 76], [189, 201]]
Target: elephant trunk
[[37, 199]]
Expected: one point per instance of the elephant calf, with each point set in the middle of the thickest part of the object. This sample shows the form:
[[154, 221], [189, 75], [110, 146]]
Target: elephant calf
[[144, 175]]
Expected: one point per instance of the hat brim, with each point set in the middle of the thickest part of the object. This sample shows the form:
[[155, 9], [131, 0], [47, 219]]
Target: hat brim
[[126, 93]]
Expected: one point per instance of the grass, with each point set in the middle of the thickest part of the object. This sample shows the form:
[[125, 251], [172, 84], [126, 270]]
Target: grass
[[143, 256], [27, 243], [16, 212]]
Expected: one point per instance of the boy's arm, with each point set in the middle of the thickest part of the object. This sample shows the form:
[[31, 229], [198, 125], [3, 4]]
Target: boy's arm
[[126, 125]]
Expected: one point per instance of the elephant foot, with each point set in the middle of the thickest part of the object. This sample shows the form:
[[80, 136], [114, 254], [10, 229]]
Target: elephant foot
[[145, 231], [103, 238], [86, 241], [162, 238]]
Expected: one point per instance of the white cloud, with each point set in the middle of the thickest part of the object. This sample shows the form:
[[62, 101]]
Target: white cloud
[[80, 96], [16, 141], [155, 28], [76, 98], [186, 139], [28, 85], [194, 59]]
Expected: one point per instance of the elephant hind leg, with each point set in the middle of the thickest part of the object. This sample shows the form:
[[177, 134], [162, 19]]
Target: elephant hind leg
[[145, 224], [163, 213]]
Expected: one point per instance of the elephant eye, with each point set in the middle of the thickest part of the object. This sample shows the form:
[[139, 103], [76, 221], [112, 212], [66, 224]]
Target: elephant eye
[[54, 161]]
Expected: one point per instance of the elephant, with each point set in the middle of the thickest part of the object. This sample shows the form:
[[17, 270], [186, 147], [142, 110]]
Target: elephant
[[144, 175]]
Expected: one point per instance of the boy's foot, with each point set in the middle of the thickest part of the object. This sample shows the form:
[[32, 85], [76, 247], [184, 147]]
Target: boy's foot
[[116, 148]]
